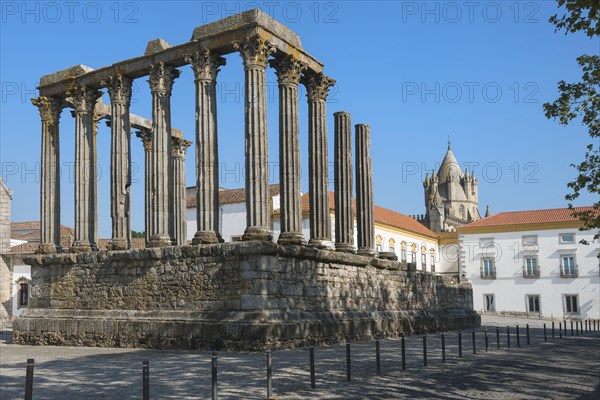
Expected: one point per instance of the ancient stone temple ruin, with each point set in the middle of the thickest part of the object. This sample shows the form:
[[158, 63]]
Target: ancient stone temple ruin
[[252, 294]]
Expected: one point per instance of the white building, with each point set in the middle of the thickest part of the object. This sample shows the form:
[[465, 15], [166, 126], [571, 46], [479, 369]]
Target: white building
[[532, 263]]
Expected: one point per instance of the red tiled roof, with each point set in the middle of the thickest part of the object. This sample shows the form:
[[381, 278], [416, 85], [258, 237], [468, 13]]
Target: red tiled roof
[[226, 196], [35, 227], [528, 217]]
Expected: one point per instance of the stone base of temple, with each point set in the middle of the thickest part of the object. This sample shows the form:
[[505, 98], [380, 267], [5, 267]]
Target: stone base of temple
[[207, 237], [290, 238], [48, 248], [255, 233], [83, 247], [241, 295], [345, 248]]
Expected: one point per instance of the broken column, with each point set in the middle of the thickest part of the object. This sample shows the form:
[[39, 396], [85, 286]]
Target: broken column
[[344, 213], [364, 191], [288, 72]]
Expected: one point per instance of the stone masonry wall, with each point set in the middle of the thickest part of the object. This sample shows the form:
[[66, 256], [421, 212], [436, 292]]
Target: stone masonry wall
[[251, 295]]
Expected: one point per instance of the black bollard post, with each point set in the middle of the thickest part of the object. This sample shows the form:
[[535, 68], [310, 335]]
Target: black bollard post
[[518, 337], [403, 353], [576, 328], [560, 330], [269, 375], [145, 380], [565, 326], [527, 333], [486, 339], [459, 344], [586, 326], [378, 357], [443, 348], [552, 329], [571, 327], [29, 379], [474, 345], [311, 351], [348, 360], [508, 336], [213, 363], [545, 334], [425, 350], [497, 338]]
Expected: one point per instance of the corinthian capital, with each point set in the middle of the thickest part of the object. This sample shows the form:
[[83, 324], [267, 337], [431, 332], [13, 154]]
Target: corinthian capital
[[179, 147], [49, 108], [84, 99], [254, 52], [317, 85], [119, 88], [205, 64], [146, 138], [288, 69], [162, 77]]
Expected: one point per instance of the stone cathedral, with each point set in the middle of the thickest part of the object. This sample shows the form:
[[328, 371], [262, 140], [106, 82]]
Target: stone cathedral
[[254, 294], [451, 197]]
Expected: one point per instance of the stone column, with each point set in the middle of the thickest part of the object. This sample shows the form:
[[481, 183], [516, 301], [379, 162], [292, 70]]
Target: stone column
[[119, 90], [146, 137], [84, 100], [180, 147], [364, 191], [206, 67], [344, 213], [254, 53], [288, 72], [317, 86], [161, 83], [50, 109]]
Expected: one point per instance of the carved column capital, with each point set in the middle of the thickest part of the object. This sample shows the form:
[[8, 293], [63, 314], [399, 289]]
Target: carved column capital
[[287, 69], [205, 64], [180, 147], [49, 108], [161, 77], [317, 86], [84, 98], [254, 52], [119, 89], [146, 138]]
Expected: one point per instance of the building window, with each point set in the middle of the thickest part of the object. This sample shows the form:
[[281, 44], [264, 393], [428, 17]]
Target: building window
[[403, 251], [489, 303], [424, 261], [378, 241], [571, 304], [392, 244], [432, 260], [530, 240], [533, 303], [23, 295], [566, 238], [531, 269], [568, 267], [462, 211], [488, 270], [486, 243], [413, 253]]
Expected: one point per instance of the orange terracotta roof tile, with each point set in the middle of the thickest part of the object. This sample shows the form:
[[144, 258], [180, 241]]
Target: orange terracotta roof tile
[[226, 196], [528, 217]]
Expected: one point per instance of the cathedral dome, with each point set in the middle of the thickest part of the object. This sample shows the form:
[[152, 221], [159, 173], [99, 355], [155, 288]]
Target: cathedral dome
[[449, 168]]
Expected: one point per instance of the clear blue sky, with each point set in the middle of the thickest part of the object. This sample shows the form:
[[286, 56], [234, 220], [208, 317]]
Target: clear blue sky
[[414, 71]]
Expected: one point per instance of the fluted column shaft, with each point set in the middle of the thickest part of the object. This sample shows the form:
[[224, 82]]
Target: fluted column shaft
[[254, 53], [146, 137], [119, 90], [344, 213], [179, 204], [206, 67], [161, 195], [84, 101], [364, 191], [320, 220], [50, 110], [288, 74]]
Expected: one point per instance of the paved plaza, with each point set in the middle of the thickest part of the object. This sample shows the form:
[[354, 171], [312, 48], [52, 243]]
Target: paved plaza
[[561, 368]]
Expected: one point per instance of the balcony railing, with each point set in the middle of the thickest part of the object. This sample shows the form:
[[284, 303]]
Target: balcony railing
[[569, 272]]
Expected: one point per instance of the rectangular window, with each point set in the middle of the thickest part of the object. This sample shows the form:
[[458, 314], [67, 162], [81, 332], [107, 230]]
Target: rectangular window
[[531, 268], [23, 295], [533, 303], [393, 249], [432, 260], [424, 261], [490, 304], [530, 240], [566, 238], [487, 268], [571, 304], [403, 255], [568, 266], [486, 242], [379, 248]]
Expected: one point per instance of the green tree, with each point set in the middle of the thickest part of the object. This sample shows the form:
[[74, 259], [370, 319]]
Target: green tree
[[582, 100]]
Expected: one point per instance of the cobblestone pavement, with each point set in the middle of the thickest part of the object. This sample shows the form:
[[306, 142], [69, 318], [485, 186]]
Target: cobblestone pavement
[[561, 368]]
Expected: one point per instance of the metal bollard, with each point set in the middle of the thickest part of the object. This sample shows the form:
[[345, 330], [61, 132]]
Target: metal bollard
[[213, 364], [497, 338], [269, 375], [29, 379], [527, 333], [378, 357], [459, 344], [145, 380], [518, 337], [474, 344], [508, 336], [425, 350], [443, 348], [311, 351], [552, 329], [565, 326], [571, 327], [560, 330], [576, 328], [348, 365], [486, 339], [403, 353], [545, 334]]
